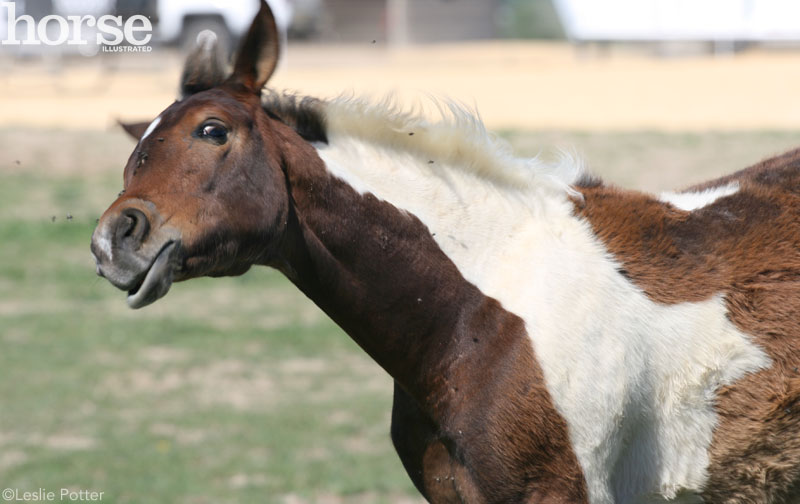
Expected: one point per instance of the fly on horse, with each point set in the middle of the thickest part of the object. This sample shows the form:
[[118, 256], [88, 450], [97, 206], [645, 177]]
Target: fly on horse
[[552, 339]]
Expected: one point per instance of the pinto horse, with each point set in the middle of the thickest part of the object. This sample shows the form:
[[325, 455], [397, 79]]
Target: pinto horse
[[552, 339]]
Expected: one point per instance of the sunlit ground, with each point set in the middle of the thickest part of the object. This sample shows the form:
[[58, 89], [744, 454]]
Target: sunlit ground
[[519, 85]]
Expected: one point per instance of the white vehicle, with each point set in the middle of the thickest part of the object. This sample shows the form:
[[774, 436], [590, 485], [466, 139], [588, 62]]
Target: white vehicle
[[180, 21], [663, 20]]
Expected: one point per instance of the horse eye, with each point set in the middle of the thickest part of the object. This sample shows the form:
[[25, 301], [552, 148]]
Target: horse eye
[[215, 132]]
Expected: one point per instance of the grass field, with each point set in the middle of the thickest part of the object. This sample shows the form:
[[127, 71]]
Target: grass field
[[228, 390]]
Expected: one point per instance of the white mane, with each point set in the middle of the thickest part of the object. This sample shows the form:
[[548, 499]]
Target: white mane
[[456, 137]]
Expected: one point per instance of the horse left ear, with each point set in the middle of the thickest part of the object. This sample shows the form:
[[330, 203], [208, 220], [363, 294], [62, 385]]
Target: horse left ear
[[258, 54], [204, 68], [135, 130]]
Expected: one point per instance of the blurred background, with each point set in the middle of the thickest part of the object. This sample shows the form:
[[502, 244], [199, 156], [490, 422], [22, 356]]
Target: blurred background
[[239, 390]]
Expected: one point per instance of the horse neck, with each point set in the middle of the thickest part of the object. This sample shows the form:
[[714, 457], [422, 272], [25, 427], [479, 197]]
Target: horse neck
[[383, 247], [471, 215]]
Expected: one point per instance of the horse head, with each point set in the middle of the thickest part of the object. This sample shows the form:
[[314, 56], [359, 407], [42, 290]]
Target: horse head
[[203, 193]]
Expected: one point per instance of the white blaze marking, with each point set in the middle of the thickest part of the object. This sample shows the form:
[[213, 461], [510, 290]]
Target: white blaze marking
[[635, 380], [150, 128], [693, 200]]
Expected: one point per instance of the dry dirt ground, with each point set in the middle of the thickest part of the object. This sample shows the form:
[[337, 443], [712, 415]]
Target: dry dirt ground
[[515, 85]]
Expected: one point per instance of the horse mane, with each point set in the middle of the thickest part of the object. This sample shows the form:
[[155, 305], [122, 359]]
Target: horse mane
[[303, 113], [455, 136]]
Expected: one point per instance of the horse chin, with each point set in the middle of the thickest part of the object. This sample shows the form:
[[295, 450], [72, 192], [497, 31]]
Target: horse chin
[[158, 280], [236, 270]]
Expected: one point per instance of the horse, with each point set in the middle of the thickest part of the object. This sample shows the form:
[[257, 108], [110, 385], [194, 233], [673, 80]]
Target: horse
[[552, 338]]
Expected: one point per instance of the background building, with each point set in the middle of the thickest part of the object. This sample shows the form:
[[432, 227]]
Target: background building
[[411, 21]]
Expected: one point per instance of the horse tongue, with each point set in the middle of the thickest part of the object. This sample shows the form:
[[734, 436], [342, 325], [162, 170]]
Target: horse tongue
[[157, 281]]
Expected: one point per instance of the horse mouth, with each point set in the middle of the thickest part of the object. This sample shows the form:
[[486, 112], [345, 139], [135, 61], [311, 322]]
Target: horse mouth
[[158, 279]]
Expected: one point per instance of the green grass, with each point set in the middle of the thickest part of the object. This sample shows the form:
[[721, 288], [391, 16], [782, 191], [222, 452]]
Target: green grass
[[191, 401], [228, 390], [232, 390]]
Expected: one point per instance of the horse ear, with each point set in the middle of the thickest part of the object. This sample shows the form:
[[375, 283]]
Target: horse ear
[[135, 130], [258, 54], [204, 68]]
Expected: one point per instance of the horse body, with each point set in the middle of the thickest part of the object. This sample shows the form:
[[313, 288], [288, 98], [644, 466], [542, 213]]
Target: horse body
[[620, 366], [551, 339]]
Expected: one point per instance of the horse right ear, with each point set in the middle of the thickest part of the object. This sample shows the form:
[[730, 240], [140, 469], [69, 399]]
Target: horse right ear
[[135, 130], [258, 55], [204, 68]]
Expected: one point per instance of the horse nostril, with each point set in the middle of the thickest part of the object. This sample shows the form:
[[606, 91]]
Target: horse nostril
[[132, 227]]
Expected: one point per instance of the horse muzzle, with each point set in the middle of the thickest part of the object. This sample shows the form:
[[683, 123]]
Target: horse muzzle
[[134, 252]]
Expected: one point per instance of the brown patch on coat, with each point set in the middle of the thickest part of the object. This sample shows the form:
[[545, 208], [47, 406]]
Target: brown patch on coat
[[747, 247], [774, 168], [378, 273]]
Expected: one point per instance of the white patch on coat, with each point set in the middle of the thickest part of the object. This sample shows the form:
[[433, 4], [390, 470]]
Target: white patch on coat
[[150, 128], [693, 200], [635, 380]]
